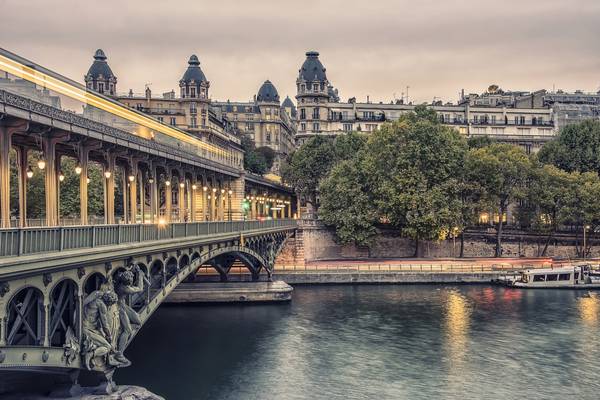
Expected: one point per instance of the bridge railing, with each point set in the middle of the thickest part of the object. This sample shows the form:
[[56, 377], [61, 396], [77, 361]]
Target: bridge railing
[[24, 241]]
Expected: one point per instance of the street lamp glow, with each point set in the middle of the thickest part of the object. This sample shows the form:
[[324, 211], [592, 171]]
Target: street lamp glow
[[61, 176], [204, 188], [194, 187], [182, 185], [41, 164], [131, 178], [230, 192], [150, 179], [29, 173], [214, 190], [78, 170], [107, 174], [167, 183], [87, 180]]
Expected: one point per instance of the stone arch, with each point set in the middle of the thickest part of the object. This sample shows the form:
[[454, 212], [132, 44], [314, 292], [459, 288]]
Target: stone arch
[[157, 275], [171, 267], [26, 318], [184, 261], [93, 282], [64, 312]]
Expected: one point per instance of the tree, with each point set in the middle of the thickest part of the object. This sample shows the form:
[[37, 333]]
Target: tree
[[347, 145], [415, 185], [477, 142], [268, 155], [254, 161], [308, 165], [347, 205], [576, 148], [547, 201], [501, 171]]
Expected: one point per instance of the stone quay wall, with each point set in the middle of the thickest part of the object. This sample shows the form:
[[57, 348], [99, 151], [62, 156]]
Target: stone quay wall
[[315, 242]]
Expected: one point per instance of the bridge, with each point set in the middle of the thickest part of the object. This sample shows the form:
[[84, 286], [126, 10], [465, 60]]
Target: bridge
[[75, 289]]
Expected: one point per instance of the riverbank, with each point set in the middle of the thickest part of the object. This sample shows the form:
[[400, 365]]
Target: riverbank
[[230, 292]]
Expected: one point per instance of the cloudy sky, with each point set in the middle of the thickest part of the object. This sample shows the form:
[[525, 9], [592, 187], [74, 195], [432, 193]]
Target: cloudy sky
[[375, 48]]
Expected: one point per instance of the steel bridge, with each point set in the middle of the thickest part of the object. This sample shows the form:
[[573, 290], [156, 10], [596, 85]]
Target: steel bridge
[[75, 289], [48, 274]]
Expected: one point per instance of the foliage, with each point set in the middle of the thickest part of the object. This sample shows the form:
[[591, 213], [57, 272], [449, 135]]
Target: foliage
[[254, 160], [268, 154], [502, 172], [576, 148], [477, 142], [347, 204]]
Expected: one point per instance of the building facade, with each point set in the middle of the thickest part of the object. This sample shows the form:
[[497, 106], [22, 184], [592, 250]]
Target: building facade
[[522, 118], [265, 119]]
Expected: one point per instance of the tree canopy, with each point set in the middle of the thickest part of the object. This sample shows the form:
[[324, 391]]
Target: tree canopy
[[576, 148]]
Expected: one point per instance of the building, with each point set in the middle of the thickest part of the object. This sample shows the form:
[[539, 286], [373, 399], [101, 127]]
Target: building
[[515, 117], [268, 122]]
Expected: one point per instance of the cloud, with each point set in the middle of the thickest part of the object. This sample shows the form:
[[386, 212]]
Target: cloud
[[372, 48]]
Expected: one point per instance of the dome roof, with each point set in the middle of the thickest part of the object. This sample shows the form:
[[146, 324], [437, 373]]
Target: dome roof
[[288, 103], [312, 69], [193, 72], [268, 93], [100, 66]]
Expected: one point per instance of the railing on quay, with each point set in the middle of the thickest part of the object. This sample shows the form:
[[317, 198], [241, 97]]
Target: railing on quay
[[409, 267], [24, 241]]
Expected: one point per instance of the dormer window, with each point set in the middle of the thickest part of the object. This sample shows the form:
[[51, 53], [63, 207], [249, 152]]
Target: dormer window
[[100, 87], [183, 93], [192, 92], [315, 87], [302, 87], [203, 92]]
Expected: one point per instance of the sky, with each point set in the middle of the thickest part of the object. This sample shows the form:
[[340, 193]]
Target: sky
[[372, 48]]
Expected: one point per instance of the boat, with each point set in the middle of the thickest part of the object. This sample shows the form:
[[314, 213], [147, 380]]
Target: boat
[[565, 277]]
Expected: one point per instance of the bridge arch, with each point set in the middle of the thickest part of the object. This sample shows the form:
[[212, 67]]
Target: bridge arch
[[26, 318], [64, 311], [94, 282]]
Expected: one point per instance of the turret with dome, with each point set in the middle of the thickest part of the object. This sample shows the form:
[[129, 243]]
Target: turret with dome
[[267, 93], [100, 77], [194, 84]]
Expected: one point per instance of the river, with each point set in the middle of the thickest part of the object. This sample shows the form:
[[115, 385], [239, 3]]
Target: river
[[376, 342]]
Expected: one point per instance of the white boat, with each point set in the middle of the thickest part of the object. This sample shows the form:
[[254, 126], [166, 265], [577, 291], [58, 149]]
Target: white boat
[[566, 277]]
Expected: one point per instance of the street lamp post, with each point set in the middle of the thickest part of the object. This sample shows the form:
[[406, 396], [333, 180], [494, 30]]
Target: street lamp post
[[585, 228]]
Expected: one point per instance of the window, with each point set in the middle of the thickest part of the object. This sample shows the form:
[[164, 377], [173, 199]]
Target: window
[[475, 119], [316, 113], [100, 87], [173, 121], [347, 127], [268, 137], [315, 87], [371, 127], [249, 126], [523, 131], [303, 126], [368, 114], [551, 277], [345, 115], [564, 277], [493, 119], [160, 119], [302, 113], [193, 122], [193, 108], [302, 87], [316, 127], [183, 93], [192, 92], [539, 278], [497, 131]]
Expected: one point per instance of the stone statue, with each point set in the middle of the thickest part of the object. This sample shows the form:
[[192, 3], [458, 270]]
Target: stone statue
[[99, 330], [128, 317]]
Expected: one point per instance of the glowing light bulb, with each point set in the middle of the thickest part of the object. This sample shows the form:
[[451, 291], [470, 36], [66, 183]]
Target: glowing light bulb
[[194, 187], [61, 176], [29, 173], [131, 178], [107, 174], [167, 183], [87, 180], [78, 170], [182, 185], [41, 164]]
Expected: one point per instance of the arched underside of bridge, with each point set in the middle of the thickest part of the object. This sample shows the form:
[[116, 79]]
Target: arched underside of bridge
[[41, 317]]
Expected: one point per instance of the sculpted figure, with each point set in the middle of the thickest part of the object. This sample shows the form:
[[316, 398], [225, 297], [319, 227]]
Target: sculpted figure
[[129, 319], [98, 329]]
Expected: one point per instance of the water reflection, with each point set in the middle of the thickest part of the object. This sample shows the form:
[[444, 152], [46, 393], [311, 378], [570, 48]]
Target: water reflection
[[376, 342], [588, 307]]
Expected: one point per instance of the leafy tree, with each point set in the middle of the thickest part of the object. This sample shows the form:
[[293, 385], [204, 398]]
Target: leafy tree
[[502, 172], [347, 204], [415, 185], [254, 161], [548, 199], [477, 142], [308, 165], [576, 148], [348, 145], [268, 154]]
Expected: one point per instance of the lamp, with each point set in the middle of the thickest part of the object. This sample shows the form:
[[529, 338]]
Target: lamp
[[107, 174], [204, 188], [182, 185], [194, 187], [78, 169], [29, 173], [87, 180], [41, 164], [61, 176], [131, 178], [167, 183], [150, 179]]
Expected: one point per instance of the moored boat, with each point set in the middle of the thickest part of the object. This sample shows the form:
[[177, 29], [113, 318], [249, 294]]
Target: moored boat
[[565, 277]]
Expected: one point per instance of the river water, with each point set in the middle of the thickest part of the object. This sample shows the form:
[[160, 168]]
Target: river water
[[376, 342]]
